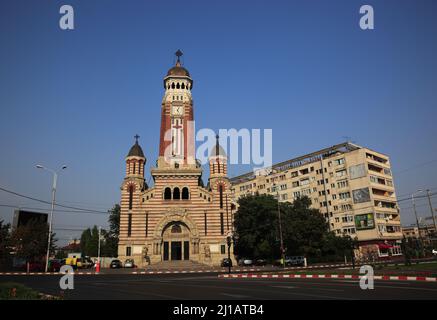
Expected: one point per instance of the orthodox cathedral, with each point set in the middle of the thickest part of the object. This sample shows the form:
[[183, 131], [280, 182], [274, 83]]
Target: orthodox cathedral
[[178, 218]]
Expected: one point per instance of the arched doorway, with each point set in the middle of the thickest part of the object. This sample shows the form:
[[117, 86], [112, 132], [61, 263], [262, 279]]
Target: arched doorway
[[176, 241]]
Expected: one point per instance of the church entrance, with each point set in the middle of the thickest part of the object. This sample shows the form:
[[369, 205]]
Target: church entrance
[[176, 242]]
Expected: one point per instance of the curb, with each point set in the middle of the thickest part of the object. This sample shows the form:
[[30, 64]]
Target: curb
[[43, 273], [324, 276]]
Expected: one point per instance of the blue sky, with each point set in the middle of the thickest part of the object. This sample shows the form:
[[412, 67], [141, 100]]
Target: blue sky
[[302, 68]]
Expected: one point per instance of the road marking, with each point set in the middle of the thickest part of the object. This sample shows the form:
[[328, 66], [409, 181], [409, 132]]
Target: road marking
[[285, 287]]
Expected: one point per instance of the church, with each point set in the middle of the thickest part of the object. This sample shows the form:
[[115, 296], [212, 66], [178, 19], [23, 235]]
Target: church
[[178, 218]]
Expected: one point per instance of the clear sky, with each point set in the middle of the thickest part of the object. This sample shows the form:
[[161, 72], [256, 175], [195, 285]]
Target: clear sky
[[302, 68]]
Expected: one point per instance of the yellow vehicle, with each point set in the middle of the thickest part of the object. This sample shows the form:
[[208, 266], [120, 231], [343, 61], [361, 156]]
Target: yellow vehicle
[[78, 262]]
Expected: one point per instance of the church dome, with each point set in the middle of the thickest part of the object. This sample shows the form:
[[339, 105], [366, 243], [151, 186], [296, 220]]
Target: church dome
[[136, 150], [178, 70]]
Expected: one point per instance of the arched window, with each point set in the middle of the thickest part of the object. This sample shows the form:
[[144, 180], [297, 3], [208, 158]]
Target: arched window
[[178, 86], [183, 85], [185, 193], [172, 85], [131, 196], [167, 194], [134, 168], [176, 194]]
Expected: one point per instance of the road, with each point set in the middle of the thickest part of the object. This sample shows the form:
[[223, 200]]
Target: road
[[209, 286]]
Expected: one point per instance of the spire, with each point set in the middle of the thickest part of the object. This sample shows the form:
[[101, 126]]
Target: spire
[[136, 150], [178, 54]]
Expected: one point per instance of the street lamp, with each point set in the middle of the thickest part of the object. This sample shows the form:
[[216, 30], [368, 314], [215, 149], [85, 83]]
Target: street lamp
[[55, 178], [280, 229], [417, 219]]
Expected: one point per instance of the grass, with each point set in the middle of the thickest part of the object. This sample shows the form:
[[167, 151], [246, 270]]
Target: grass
[[16, 291]]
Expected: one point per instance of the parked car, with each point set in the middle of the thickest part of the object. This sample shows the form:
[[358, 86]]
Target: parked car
[[260, 262], [434, 251], [116, 264], [129, 263], [226, 262], [295, 261], [245, 262]]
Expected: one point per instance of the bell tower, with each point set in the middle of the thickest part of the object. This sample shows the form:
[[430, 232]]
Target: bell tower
[[176, 147]]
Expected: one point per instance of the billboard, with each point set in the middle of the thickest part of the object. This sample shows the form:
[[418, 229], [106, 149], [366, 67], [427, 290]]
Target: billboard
[[361, 195], [364, 221], [23, 217]]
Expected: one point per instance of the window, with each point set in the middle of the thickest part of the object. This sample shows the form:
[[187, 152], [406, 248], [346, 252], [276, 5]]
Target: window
[[342, 184], [344, 195], [304, 182], [147, 224], [176, 194], [185, 193], [222, 249], [222, 224], [128, 251], [205, 223], [131, 196], [339, 161], [341, 173], [295, 184], [296, 194], [129, 225], [221, 196], [167, 194]]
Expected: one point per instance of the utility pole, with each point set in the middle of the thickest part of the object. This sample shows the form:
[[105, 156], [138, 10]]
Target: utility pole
[[432, 210], [417, 219], [98, 250]]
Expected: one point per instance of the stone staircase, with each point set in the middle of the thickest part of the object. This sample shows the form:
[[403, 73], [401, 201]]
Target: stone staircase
[[177, 265]]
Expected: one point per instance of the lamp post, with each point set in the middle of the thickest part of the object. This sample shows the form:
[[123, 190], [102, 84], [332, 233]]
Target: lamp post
[[417, 219], [280, 230], [55, 178], [432, 210]]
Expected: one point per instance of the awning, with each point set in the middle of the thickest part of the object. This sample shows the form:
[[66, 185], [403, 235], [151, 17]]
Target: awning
[[384, 246]]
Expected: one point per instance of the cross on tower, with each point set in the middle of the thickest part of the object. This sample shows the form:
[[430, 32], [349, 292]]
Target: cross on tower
[[179, 54], [136, 138]]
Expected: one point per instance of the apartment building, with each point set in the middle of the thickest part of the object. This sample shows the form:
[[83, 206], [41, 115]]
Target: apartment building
[[352, 186]]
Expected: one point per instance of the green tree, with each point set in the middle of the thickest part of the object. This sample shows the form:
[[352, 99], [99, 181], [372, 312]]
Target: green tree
[[30, 241], [304, 230], [89, 242], [256, 227], [111, 237]]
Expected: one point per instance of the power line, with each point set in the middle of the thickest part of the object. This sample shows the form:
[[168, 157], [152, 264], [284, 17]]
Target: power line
[[46, 209], [47, 202]]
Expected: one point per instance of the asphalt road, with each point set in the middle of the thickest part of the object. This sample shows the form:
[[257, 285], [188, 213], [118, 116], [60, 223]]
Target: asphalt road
[[209, 286]]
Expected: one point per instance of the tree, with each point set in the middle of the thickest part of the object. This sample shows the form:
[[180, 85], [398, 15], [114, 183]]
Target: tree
[[111, 238], [4, 244], [89, 242], [304, 230], [30, 241], [256, 227]]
